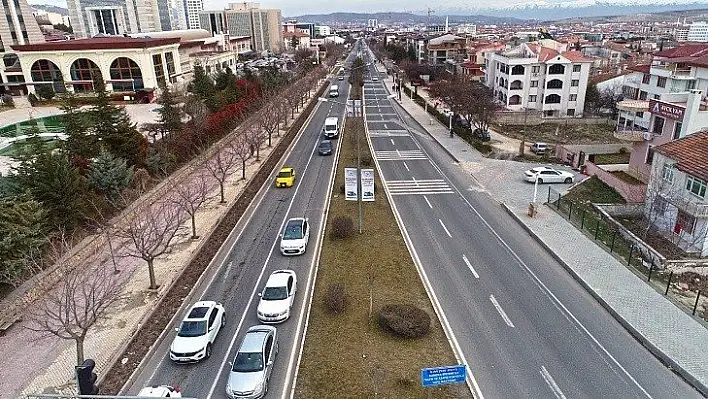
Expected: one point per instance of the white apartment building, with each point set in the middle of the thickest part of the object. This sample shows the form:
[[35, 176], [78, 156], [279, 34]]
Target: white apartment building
[[118, 17], [323, 30], [698, 32], [541, 76], [192, 8], [681, 34], [467, 30], [17, 27], [262, 25]]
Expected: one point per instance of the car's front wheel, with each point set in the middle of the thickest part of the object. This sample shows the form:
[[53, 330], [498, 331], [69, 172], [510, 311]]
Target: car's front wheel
[[540, 181], [568, 180], [207, 355]]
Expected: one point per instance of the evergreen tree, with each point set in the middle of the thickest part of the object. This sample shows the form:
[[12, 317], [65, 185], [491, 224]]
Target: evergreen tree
[[22, 234], [203, 87], [79, 142], [170, 112], [110, 175]]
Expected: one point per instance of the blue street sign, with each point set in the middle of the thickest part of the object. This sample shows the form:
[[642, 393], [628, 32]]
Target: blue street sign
[[434, 376]]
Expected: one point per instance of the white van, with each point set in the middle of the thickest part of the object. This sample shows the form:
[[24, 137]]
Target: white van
[[334, 91], [331, 127]]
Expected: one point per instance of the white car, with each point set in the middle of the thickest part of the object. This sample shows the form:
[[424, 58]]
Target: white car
[[294, 239], [277, 297], [447, 112], [375, 79], [544, 174], [198, 331], [160, 391]]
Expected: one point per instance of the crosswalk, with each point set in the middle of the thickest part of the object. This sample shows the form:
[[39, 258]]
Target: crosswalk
[[388, 133], [418, 187], [399, 155]]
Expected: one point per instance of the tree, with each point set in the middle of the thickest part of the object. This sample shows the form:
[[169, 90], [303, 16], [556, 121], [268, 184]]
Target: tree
[[170, 112], [203, 87], [268, 120], [356, 75], [110, 175], [469, 99], [190, 195], [292, 98], [609, 99], [303, 55], [240, 148], [80, 299], [79, 142], [45, 91], [22, 234], [593, 103], [151, 231], [220, 164], [271, 79], [254, 136], [62, 27]]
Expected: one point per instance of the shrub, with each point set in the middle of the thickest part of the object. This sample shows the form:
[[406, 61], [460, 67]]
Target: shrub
[[405, 321], [367, 161], [342, 227], [335, 298], [45, 91], [33, 100]]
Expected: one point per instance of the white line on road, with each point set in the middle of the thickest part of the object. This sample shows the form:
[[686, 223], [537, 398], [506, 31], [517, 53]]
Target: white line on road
[[469, 265], [415, 181], [552, 383], [392, 142], [406, 165], [496, 304], [385, 126], [426, 200], [445, 228]]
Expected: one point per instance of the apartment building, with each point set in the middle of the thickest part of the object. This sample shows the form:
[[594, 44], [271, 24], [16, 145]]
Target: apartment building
[[18, 27], [697, 32], [117, 17], [192, 8], [262, 25], [541, 76], [446, 47]]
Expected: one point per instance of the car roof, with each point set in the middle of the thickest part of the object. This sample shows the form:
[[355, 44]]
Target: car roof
[[255, 338], [160, 390], [286, 169], [294, 221], [279, 278], [541, 168], [331, 119], [199, 310]]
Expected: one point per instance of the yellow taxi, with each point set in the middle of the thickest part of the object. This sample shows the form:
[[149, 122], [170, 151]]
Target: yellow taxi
[[285, 178]]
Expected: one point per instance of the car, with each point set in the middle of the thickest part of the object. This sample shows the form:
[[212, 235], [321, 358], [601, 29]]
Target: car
[[277, 297], [160, 391], [340, 77], [285, 178], [375, 78], [539, 148], [545, 174], [295, 236], [325, 147], [197, 332], [253, 363], [482, 134]]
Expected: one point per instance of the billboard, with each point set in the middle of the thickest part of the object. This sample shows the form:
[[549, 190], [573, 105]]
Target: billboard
[[367, 184], [350, 186], [666, 110]]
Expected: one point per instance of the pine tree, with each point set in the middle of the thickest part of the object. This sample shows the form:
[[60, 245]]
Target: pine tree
[[203, 87], [79, 142], [110, 175], [22, 234], [170, 112]]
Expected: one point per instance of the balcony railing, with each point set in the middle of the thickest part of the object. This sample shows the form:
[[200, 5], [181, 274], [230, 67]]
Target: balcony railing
[[687, 205]]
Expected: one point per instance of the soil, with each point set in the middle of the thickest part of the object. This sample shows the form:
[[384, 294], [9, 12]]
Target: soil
[[561, 133], [654, 239], [169, 304]]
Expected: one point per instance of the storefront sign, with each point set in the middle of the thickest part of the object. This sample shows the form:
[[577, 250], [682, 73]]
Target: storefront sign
[[666, 110]]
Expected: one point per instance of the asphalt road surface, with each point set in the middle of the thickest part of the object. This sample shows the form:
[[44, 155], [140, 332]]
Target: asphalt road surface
[[244, 264], [522, 324]]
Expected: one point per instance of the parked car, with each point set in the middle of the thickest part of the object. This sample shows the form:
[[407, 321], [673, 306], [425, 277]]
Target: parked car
[[197, 332], [539, 148], [253, 363], [325, 147], [285, 178], [294, 239], [160, 391], [482, 134], [544, 174], [277, 297]]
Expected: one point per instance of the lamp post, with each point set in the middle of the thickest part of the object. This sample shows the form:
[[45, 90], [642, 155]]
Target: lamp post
[[450, 123]]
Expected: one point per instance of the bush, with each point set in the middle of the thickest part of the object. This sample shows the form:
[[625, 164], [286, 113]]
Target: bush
[[342, 227], [367, 161], [405, 321], [335, 298], [33, 100], [45, 91]]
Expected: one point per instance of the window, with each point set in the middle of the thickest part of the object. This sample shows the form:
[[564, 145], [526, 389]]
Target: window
[[650, 156], [646, 78], [667, 173], [658, 127], [576, 68], [159, 71], [212, 317], [661, 81], [642, 95], [573, 97], [570, 112], [684, 222], [556, 69], [535, 69], [677, 130], [534, 83], [639, 114], [126, 75], [553, 99], [554, 84], [532, 98], [574, 83], [170, 61], [696, 186], [657, 96], [660, 205]]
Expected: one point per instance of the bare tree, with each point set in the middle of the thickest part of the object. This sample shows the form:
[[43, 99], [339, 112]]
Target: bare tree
[[220, 165], [77, 301], [189, 195], [283, 108], [268, 121], [292, 98], [469, 99], [254, 136], [240, 147], [151, 231]]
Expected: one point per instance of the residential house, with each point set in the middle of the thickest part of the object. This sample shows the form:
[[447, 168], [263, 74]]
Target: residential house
[[296, 40], [677, 197], [446, 47]]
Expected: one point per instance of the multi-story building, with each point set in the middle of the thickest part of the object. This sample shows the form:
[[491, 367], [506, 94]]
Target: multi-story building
[[697, 32], [446, 48], [466, 30], [541, 76], [323, 30], [192, 8], [17, 27], [118, 17], [680, 34], [262, 25], [372, 24]]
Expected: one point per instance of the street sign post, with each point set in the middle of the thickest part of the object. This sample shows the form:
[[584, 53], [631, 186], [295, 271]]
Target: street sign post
[[367, 185], [350, 184], [434, 376]]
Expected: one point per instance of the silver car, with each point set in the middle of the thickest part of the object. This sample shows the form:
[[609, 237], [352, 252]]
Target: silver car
[[251, 368]]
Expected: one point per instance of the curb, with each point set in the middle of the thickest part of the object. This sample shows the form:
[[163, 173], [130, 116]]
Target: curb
[[665, 359]]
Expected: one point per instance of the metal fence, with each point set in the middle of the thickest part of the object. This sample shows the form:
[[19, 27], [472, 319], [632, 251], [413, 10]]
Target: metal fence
[[684, 291]]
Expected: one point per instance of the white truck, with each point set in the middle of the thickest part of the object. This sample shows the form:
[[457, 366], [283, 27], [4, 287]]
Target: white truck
[[331, 127], [334, 91]]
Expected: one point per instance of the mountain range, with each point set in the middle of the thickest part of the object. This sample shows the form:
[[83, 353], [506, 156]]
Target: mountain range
[[50, 8]]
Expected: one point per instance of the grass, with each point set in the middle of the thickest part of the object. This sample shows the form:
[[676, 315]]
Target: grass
[[611, 159], [347, 355], [625, 177], [594, 190], [560, 133]]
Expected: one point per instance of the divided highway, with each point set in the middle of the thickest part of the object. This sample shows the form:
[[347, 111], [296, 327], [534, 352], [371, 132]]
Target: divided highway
[[522, 324], [252, 254]]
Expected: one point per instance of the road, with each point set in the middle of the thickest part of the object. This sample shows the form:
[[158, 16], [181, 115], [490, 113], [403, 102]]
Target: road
[[522, 324], [244, 263]]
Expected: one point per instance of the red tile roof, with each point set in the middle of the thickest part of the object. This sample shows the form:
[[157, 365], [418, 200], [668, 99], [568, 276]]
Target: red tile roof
[[699, 62], [690, 154], [576, 56], [640, 68], [98, 43], [688, 50]]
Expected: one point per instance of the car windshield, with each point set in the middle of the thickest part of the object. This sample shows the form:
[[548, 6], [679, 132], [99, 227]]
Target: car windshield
[[284, 174], [293, 232], [192, 328], [325, 145], [248, 362], [330, 127], [275, 293]]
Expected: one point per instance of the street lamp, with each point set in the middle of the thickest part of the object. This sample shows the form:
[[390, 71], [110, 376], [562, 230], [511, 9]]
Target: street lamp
[[450, 122]]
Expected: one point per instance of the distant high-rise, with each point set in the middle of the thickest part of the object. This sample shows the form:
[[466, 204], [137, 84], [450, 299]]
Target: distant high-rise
[[247, 19], [192, 8], [17, 26], [697, 32], [117, 17]]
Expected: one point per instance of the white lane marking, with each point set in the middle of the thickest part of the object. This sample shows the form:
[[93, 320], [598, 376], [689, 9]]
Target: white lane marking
[[398, 153], [469, 265], [428, 202], [406, 165], [415, 181], [385, 126], [260, 277], [392, 142], [496, 304], [552, 383], [538, 281], [445, 228]]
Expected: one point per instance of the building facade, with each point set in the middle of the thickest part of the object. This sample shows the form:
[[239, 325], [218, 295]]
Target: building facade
[[262, 25], [697, 32], [17, 27], [192, 8], [541, 76], [446, 48], [117, 17]]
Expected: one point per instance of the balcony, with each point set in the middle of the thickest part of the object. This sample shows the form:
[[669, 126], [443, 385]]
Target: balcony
[[688, 205], [633, 105]]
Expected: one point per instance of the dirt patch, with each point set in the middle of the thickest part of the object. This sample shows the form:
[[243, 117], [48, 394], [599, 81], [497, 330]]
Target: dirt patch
[[561, 133], [653, 238], [170, 303]]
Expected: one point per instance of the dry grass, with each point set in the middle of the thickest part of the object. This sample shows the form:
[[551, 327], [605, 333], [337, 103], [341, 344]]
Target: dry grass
[[347, 355], [561, 133]]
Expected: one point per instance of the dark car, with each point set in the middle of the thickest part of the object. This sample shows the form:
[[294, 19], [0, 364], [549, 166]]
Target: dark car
[[482, 134], [325, 148]]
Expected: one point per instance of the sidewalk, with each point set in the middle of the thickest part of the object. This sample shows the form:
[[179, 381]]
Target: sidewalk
[[672, 335]]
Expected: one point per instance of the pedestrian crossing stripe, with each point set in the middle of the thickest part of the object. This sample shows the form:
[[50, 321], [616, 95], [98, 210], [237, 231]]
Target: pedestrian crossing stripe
[[418, 187], [399, 155], [388, 133]]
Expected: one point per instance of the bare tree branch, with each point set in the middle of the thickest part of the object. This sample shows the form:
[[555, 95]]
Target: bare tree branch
[[219, 166], [189, 195], [241, 147]]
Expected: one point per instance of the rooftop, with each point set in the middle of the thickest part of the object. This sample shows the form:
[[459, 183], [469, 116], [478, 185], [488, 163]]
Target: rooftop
[[689, 153], [98, 43]]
